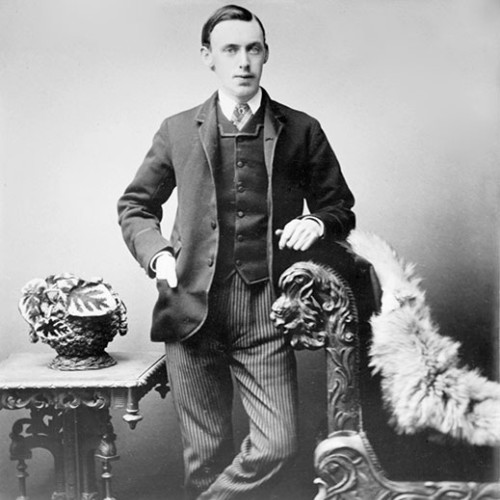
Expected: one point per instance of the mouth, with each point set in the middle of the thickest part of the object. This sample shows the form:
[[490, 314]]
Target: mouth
[[244, 77]]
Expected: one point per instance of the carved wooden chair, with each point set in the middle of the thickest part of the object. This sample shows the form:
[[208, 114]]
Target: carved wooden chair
[[362, 457]]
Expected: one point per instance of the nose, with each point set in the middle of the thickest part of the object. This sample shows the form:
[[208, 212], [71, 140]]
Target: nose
[[244, 60]]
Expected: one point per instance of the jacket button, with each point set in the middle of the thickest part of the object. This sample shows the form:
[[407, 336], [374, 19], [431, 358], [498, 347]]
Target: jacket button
[[213, 224], [241, 213], [241, 189], [239, 164], [240, 237], [238, 262], [210, 262]]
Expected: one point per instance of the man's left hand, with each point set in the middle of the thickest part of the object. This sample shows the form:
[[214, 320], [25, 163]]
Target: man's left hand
[[299, 234]]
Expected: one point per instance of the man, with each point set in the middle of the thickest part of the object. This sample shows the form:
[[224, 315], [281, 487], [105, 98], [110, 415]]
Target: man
[[243, 165]]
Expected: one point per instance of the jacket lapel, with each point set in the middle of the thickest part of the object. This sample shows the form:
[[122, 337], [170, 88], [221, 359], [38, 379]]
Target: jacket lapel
[[273, 126], [207, 118]]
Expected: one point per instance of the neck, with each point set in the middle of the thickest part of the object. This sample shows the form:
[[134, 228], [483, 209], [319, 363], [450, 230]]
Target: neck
[[236, 99]]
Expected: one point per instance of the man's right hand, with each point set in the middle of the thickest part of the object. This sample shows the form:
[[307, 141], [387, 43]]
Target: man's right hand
[[165, 269]]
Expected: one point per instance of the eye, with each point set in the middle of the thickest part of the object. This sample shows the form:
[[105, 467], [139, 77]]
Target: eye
[[255, 50], [230, 50]]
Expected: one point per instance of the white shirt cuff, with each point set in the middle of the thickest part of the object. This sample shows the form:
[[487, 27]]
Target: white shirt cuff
[[152, 262], [319, 221]]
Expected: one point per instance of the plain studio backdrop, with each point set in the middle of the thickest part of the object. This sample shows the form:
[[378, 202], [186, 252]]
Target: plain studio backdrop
[[407, 92]]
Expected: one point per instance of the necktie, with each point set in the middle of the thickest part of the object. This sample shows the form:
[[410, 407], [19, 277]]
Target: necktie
[[241, 114]]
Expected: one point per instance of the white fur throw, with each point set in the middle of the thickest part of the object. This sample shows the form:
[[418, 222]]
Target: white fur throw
[[424, 385]]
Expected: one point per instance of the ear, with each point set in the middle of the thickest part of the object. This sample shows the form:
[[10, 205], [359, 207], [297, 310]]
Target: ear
[[206, 57], [266, 56]]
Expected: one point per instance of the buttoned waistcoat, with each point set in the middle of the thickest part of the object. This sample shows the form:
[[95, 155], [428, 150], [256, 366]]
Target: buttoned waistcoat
[[300, 164]]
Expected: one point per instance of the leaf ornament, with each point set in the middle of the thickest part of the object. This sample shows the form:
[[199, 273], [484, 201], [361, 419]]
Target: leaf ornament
[[91, 300], [32, 299]]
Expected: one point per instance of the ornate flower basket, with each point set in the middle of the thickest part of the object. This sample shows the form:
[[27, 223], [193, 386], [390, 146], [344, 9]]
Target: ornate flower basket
[[78, 318]]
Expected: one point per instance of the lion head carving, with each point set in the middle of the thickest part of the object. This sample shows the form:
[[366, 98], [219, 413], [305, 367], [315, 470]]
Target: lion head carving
[[314, 301]]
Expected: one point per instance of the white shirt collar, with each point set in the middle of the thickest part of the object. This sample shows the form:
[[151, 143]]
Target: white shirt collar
[[227, 104]]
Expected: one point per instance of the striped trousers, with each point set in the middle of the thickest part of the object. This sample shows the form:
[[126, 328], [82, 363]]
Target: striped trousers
[[238, 340]]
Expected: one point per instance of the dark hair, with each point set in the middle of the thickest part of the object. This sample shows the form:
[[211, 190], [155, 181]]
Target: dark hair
[[228, 13]]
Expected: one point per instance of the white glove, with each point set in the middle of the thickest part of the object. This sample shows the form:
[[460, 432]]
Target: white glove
[[165, 268]]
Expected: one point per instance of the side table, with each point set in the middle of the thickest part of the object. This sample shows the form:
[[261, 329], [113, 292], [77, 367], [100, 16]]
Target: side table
[[69, 415]]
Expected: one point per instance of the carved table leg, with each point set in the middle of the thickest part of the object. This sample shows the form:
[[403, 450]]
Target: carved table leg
[[70, 453], [59, 492], [92, 424], [89, 489], [20, 451], [21, 476], [132, 417], [106, 453]]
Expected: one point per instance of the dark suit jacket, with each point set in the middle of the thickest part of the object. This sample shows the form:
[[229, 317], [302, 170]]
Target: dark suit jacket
[[300, 164]]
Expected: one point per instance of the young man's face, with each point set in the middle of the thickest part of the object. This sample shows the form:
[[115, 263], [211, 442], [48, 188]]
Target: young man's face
[[237, 54]]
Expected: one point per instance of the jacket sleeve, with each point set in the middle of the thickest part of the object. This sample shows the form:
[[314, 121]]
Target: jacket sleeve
[[328, 196], [140, 206]]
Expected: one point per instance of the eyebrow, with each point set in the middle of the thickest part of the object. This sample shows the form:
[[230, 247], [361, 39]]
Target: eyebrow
[[248, 46]]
